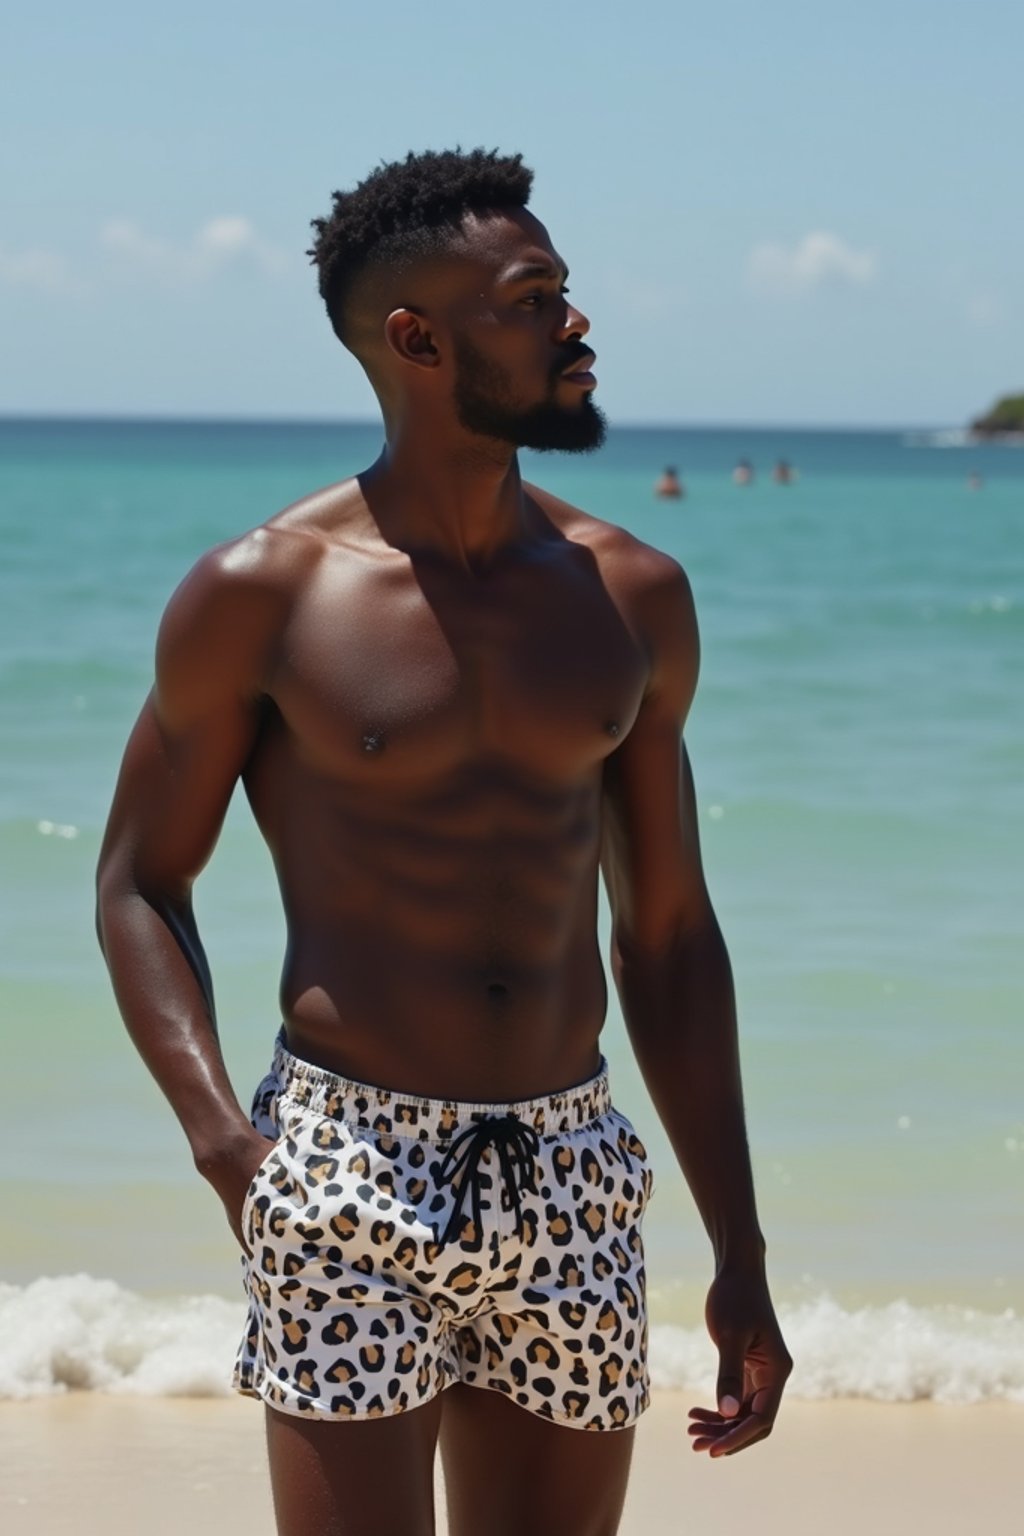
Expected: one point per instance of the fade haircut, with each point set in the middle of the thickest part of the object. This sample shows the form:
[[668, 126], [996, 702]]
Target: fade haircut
[[407, 210]]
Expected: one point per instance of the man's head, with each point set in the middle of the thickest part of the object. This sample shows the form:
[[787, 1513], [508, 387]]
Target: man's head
[[451, 295]]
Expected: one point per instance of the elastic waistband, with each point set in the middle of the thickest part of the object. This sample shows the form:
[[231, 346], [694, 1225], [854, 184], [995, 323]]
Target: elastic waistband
[[402, 1114]]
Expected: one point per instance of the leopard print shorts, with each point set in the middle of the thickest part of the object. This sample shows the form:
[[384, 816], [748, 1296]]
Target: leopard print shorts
[[398, 1245]]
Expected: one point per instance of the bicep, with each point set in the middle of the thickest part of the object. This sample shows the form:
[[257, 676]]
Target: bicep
[[650, 845], [190, 742], [172, 794]]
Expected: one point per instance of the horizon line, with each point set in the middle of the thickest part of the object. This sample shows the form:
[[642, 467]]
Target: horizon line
[[139, 418]]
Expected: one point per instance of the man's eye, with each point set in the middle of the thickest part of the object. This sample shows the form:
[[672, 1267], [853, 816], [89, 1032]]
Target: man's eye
[[539, 298]]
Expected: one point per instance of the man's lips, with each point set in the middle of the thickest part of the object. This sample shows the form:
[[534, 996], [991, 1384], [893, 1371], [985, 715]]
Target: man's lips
[[579, 372]]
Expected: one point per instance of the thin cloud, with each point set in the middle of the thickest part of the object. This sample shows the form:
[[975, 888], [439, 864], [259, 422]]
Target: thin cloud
[[984, 311], [818, 259], [38, 269], [216, 245]]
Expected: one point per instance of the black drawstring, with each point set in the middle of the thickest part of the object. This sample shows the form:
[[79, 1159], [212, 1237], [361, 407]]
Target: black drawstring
[[516, 1144]]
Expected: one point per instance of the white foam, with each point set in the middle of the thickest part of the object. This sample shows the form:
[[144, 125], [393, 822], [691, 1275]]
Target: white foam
[[75, 1331], [893, 1354]]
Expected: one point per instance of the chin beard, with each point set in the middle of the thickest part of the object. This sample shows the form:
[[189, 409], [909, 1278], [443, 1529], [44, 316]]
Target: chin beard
[[485, 405]]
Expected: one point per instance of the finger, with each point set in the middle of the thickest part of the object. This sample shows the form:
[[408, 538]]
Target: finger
[[739, 1437], [766, 1400], [706, 1432], [729, 1390], [755, 1424], [707, 1441], [715, 1426], [702, 1440]]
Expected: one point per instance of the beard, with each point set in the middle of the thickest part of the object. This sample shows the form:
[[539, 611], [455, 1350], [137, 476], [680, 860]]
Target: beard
[[486, 404]]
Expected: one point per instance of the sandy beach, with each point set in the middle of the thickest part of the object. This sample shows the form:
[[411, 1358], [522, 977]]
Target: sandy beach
[[122, 1465]]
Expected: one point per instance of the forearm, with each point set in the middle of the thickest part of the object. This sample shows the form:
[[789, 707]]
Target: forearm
[[680, 1010], [162, 985]]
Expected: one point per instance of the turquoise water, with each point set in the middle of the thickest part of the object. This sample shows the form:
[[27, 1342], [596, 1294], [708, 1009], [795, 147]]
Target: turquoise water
[[858, 741]]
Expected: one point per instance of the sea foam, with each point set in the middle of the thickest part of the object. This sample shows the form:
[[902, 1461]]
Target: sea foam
[[896, 1353], [78, 1332], [74, 1331]]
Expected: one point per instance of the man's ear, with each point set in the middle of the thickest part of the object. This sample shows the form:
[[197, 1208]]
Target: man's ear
[[408, 335]]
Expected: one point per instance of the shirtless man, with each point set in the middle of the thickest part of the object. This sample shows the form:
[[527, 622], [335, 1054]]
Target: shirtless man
[[451, 698]]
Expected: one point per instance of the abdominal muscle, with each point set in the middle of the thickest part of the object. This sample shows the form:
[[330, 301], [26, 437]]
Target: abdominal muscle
[[440, 942]]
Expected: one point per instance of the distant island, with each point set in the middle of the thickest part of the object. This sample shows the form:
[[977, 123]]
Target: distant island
[[1007, 415]]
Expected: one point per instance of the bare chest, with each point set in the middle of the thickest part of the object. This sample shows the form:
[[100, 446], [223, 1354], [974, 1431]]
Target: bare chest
[[386, 673]]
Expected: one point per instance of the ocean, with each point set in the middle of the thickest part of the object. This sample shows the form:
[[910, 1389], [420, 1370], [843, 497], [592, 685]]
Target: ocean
[[858, 745]]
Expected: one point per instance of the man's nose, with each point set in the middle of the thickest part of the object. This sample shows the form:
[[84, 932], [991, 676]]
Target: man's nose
[[574, 324]]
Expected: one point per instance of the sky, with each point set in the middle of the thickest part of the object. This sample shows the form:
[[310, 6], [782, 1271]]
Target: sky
[[773, 212]]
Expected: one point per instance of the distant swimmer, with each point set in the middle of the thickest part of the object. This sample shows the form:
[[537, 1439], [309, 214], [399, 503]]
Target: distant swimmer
[[974, 481], [784, 473], [669, 485], [743, 474]]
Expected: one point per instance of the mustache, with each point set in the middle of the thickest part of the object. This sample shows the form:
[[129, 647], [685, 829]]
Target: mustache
[[577, 355]]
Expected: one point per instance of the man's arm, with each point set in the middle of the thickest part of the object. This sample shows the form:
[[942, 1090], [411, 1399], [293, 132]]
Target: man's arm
[[675, 984], [182, 761]]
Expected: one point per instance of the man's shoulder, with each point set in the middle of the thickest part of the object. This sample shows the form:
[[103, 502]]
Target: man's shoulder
[[229, 612], [623, 557], [274, 560]]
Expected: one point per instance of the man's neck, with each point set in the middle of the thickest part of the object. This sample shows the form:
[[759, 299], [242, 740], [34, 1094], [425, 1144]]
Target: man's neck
[[461, 502]]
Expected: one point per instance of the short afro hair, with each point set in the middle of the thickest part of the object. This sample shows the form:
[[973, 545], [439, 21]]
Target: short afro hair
[[406, 210]]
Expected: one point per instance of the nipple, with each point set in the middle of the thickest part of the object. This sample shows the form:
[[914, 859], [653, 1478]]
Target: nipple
[[373, 741], [612, 727]]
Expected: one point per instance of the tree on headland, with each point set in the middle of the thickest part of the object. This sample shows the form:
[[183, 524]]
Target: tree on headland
[[1007, 415]]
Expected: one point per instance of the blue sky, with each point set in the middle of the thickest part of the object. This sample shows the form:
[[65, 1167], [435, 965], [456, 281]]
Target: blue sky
[[773, 212]]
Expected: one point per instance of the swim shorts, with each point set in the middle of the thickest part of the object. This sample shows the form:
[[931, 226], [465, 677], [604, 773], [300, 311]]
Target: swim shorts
[[398, 1245]]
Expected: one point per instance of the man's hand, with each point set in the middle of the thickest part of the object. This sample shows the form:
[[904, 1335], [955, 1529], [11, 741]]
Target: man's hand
[[230, 1170], [753, 1365]]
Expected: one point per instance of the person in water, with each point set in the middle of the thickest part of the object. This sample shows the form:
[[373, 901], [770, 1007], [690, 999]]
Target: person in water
[[669, 485], [743, 474], [454, 700]]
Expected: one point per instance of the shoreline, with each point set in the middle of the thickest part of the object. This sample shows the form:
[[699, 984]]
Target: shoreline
[[93, 1335], [164, 1465]]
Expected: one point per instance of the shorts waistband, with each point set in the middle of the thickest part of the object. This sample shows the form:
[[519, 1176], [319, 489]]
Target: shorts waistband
[[403, 1114]]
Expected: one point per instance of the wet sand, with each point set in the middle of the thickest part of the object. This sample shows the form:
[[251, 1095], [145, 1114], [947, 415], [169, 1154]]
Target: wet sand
[[131, 1466]]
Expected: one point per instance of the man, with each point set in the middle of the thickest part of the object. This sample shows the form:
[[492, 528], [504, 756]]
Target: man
[[449, 696]]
